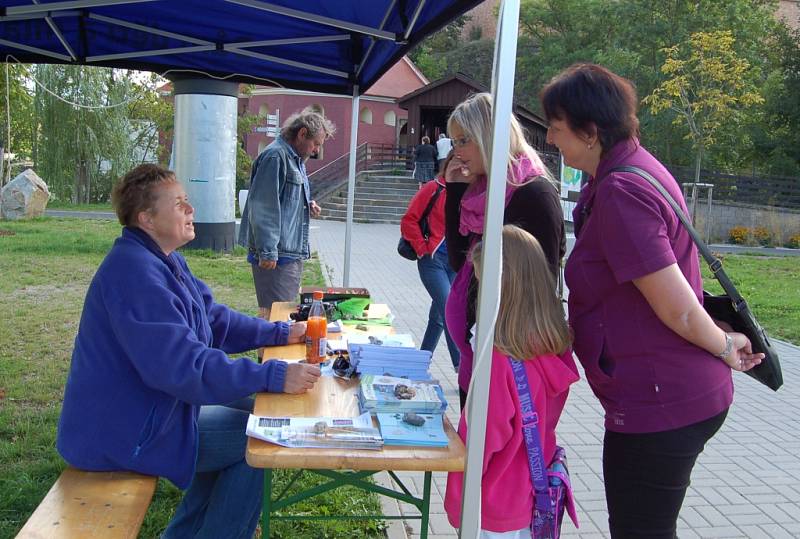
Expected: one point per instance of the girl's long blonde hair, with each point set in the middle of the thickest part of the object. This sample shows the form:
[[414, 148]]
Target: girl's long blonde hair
[[531, 321], [474, 117]]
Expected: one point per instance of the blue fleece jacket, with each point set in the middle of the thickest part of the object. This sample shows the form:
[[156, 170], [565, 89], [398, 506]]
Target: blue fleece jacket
[[152, 347]]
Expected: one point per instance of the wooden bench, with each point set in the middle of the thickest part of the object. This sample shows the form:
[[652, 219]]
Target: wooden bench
[[92, 504]]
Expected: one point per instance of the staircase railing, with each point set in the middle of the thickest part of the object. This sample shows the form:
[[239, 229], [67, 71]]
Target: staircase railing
[[333, 176]]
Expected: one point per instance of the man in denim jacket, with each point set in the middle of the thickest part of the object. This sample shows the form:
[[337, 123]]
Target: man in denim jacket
[[276, 217]]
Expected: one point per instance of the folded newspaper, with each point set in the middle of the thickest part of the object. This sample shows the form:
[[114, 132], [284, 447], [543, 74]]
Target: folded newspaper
[[324, 432]]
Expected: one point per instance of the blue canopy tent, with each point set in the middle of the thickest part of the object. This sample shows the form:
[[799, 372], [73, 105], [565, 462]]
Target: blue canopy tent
[[338, 46], [331, 47]]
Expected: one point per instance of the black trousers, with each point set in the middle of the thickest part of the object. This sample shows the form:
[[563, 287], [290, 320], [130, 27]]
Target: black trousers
[[646, 477]]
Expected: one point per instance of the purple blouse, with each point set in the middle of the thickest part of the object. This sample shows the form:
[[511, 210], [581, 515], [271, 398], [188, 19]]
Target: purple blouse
[[647, 377]]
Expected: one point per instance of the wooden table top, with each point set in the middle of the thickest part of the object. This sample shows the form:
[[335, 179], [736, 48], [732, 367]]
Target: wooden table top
[[334, 397]]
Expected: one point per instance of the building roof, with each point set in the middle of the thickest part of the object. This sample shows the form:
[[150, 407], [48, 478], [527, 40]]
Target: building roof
[[519, 110], [402, 78]]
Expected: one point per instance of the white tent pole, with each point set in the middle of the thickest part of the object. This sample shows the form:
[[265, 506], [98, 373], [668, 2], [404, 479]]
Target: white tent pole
[[490, 270], [351, 187]]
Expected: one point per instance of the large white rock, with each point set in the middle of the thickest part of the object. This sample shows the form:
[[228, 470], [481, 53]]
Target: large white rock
[[25, 196]]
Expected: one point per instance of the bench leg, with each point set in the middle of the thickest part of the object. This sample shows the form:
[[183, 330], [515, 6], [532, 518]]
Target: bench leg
[[426, 506], [265, 512]]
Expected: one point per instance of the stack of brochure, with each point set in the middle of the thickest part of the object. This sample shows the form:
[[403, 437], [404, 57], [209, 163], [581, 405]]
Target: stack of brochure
[[399, 361], [395, 431], [325, 432], [379, 394], [404, 340]]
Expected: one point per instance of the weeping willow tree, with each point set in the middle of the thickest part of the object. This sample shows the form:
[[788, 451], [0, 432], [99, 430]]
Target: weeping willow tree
[[87, 137], [16, 114]]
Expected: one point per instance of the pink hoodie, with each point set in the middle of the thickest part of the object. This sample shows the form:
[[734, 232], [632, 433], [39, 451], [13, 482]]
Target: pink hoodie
[[506, 491]]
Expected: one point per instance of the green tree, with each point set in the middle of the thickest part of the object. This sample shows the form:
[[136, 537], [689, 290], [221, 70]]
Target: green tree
[[707, 88], [631, 40], [429, 55], [19, 133], [776, 130], [153, 116], [244, 163], [89, 130]]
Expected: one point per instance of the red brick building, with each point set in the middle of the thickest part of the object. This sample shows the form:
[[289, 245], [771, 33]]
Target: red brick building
[[381, 120]]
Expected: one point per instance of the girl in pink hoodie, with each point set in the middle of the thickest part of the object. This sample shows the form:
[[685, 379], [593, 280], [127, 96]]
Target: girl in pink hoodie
[[530, 327]]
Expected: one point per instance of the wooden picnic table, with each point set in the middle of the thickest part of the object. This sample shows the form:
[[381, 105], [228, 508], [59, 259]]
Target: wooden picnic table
[[335, 397]]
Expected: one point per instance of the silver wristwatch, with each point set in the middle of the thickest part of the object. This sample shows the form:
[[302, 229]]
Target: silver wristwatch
[[728, 347]]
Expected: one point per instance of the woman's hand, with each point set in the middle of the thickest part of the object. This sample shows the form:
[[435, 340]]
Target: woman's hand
[[297, 333], [300, 377], [742, 357], [457, 172]]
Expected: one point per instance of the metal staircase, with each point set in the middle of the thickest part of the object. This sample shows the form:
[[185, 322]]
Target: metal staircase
[[384, 185]]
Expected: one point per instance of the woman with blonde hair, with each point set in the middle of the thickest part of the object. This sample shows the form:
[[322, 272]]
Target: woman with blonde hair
[[531, 202], [530, 329]]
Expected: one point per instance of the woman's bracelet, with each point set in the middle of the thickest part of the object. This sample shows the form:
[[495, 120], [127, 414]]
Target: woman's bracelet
[[728, 347]]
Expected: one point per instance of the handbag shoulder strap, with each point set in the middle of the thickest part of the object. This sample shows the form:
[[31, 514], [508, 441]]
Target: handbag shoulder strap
[[714, 263], [533, 442], [431, 202]]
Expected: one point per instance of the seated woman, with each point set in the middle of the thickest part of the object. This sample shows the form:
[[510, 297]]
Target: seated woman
[[150, 371]]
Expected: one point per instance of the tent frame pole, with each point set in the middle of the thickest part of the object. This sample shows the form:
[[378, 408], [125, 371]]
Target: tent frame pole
[[351, 187], [491, 264]]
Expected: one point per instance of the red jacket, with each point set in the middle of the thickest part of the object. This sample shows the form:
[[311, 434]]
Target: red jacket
[[409, 224]]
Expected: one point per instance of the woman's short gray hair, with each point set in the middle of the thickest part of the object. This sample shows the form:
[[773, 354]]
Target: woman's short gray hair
[[312, 120]]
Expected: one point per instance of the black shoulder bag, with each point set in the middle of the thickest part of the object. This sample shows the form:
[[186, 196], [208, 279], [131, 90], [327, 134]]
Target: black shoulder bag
[[729, 307], [404, 248]]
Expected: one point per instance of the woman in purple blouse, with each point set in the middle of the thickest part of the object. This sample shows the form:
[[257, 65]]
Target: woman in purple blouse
[[660, 366]]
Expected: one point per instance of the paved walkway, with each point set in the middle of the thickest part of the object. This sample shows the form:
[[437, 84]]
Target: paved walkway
[[745, 485]]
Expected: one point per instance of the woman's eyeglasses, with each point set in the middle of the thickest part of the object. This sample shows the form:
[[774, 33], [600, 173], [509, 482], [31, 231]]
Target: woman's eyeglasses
[[462, 141]]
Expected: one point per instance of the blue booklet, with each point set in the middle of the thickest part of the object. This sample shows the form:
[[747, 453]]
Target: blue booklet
[[390, 394], [390, 360], [395, 431]]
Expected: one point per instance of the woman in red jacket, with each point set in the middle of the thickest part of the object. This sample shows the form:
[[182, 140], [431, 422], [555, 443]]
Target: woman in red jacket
[[432, 260]]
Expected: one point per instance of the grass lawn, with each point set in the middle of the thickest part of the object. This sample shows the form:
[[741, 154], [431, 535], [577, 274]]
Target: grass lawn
[[62, 205], [47, 265], [771, 286]]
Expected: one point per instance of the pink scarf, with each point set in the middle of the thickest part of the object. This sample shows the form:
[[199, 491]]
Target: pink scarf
[[473, 204]]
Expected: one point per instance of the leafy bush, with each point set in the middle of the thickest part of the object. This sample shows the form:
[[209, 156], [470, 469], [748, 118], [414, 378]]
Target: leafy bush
[[762, 235], [739, 235], [793, 241]]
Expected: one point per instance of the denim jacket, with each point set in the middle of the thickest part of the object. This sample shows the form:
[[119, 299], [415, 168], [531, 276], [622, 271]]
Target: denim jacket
[[276, 216]]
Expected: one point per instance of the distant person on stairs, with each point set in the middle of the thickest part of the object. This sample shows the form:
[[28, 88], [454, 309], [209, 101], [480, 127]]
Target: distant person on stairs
[[276, 217], [425, 161], [443, 147]]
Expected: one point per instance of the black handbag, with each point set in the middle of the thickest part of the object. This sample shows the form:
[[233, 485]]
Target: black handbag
[[404, 248], [729, 307]]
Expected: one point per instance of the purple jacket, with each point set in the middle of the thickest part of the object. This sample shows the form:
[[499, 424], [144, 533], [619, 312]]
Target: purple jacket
[[647, 377], [152, 348]]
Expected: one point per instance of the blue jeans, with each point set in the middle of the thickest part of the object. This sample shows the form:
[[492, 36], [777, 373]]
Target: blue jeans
[[225, 497], [437, 277]]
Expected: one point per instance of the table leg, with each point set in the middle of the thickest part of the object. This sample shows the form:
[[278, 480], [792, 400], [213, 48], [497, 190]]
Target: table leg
[[426, 506], [267, 505]]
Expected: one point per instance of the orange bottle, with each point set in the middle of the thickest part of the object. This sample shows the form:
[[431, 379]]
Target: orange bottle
[[316, 332]]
